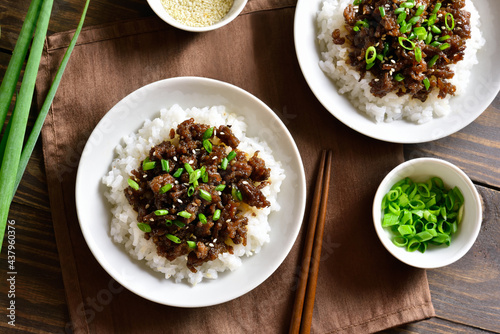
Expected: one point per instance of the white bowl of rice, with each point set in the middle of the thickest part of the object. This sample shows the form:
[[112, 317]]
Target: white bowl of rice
[[123, 138], [195, 15]]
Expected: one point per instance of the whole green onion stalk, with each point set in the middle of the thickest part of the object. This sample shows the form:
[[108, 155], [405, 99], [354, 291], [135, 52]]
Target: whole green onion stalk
[[15, 157]]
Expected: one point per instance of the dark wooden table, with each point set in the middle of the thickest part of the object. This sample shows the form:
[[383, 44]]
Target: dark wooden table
[[466, 294]]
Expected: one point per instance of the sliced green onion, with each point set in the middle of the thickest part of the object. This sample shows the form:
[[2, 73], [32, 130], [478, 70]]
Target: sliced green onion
[[427, 83], [428, 38], [444, 46], [401, 17], [220, 187], [173, 238], [205, 195], [184, 214], [414, 20], [368, 66], [231, 155], [204, 174], [436, 8], [190, 191], [134, 185], [148, 165], [435, 44], [420, 10], [223, 164], [216, 215], [435, 29], [236, 194], [403, 40], [382, 11], [161, 212], [413, 245], [386, 49], [191, 244], [357, 2], [418, 55], [412, 35], [444, 38], [208, 133], [179, 223], [202, 218], [400, 10], [400, 241], [407, 4], [165, 165], [188, 168], [144, 227], [370, 55], [432, 19], [399, 77], [194, 176], [207, 145], [178, 172], [165, 188], [449, 27], [420, 32], [168, 222], [432, 61], [363, 23]]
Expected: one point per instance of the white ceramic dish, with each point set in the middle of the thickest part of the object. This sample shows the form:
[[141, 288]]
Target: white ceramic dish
[[128, 116], [483, 87], [235, 10], [421, 170]]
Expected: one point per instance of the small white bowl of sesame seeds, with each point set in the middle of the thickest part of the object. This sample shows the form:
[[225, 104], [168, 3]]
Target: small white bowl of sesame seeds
[[197, 15]]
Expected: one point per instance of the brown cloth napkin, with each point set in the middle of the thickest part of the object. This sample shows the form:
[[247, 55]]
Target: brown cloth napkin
[[361, 287]]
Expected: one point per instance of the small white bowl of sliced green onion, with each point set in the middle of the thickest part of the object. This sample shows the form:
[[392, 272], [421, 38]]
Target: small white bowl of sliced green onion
[[427, 213]]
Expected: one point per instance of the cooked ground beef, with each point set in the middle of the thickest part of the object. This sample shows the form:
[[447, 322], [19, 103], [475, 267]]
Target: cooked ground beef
[[191, 198], [399, 68]]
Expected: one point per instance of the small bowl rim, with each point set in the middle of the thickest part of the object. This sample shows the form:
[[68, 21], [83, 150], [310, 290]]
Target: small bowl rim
[[157, 7], [408, 168]]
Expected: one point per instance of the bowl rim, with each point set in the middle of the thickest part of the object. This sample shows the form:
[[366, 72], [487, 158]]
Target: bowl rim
[[402, 170], [157, 7]]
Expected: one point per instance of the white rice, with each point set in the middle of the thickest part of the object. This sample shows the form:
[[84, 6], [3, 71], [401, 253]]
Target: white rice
[[135, 148], [391, 107]]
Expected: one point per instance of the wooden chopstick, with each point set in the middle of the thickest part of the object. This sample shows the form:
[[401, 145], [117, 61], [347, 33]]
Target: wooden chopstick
[[306, 288]]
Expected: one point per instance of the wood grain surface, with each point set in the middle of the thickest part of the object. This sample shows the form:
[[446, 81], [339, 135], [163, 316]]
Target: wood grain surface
[[466, 294]]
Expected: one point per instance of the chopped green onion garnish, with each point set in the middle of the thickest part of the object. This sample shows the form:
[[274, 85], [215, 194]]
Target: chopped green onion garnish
[[412, 35], [205, 195], [435, 44], [418, 54], [236, 194], [452, 25], [436, 8], [220, 187], [216, 215], [399, 77], [208, 133], [190, 191], [370, 55], [204, 174], [168, 222], [207, 145], [194, 176], [363, 23], [173, 238], [202, 218], [188, 168], [427, 83], [444, 46], [428, 39], [431, 20], [435, 29], [134, 185], [191, 244], [382, 11], [165, 165], [144, 227], [401, 18], [420, 32], [386, 49], [231, 155], [178, 172], [165, 188], [444, 38], [403, 41], [398, 11], [357, 2], [420, 10], [179, 224], [368, 66], [184, 214], [223, 164], [414, 20], [161, 212], [148, 165], [407, 4]]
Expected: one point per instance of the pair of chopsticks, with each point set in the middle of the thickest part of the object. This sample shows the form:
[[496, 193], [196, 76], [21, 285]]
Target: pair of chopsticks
[[306, 289]]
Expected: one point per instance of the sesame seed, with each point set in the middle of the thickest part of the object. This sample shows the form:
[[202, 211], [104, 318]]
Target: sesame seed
[[179, 200], [211, 244], [215, 240]]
